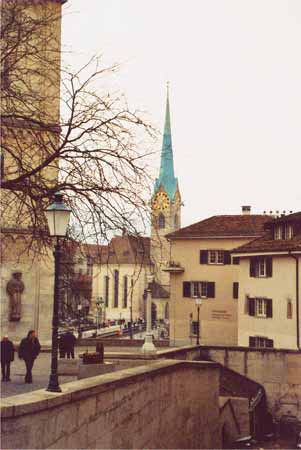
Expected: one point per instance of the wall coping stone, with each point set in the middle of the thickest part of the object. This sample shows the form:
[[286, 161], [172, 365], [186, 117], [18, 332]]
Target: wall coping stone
[[249, 349], [39, 400]]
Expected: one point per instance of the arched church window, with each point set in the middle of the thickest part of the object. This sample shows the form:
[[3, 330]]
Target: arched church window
[[167, 311], [161, 221], [176, 221], [289, 310]]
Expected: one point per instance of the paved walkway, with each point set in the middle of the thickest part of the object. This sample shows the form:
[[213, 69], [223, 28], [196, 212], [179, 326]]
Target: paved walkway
[[40, 374], [41, 371]]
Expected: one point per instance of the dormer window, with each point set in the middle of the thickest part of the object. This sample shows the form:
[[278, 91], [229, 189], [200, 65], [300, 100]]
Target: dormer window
[[278, 232], [283, 231], [288, 232]]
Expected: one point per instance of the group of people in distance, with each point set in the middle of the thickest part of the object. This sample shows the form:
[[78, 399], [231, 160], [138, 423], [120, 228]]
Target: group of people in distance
[[66, 345], [28, 350]]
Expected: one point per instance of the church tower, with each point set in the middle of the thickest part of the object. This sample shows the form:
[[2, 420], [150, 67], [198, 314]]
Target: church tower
[[166, 212]]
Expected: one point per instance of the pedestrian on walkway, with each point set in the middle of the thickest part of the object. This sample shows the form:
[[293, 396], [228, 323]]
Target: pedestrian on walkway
[[7, 356], [62, 346], [28, 350], [69, 342]]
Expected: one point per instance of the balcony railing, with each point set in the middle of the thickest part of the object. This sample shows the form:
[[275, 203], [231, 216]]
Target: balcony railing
[[173, 267]]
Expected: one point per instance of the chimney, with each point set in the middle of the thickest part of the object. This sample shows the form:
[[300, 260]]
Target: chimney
[[246, 210]]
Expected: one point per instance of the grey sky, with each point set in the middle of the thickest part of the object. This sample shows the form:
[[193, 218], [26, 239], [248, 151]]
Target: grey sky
[[235, 73]]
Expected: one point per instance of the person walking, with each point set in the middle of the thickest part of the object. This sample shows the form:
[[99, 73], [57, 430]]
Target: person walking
[[28, 350], [7, 356], [69, 341], [62, 345]]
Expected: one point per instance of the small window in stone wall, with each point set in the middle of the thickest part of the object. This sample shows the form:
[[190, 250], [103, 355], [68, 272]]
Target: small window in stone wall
[[289, 309]]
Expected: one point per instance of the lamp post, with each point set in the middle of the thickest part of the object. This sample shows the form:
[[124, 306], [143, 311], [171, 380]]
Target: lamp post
[[198, 302], [58, 215], [148, 346], [99, 305], [79, 308]]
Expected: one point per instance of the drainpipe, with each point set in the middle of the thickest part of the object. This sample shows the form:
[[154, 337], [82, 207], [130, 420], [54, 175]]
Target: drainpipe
[[296, 258]]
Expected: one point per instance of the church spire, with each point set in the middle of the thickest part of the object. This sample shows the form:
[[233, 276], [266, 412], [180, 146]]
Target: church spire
[[166, 176]]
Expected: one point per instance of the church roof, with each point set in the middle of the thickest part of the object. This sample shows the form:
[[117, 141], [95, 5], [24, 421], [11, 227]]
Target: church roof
[[125, 249], [167, 179]]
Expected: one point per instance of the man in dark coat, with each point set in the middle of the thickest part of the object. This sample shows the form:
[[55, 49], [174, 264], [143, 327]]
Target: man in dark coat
[[7, 356], [62, 346], [28, 350], [69, 341]]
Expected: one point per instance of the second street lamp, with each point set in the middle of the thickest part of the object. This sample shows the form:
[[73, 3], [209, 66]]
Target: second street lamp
[[198, 302], [148, 346], [58, 215]]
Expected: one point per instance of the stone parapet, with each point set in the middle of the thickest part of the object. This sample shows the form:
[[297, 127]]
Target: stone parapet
[[165, 404]]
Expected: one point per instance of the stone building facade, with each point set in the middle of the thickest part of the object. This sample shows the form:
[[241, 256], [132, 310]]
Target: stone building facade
[[25, 138]]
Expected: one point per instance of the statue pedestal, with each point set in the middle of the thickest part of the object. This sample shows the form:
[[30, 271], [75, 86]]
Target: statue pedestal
[[148, 346]]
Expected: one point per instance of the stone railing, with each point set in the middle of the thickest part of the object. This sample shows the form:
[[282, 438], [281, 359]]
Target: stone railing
[[165, 404]]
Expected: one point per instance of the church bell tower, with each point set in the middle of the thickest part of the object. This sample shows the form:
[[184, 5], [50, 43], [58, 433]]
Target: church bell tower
[[166, 206]]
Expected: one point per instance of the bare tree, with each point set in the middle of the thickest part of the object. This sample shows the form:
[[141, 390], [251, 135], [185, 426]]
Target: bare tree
[[94, 152]]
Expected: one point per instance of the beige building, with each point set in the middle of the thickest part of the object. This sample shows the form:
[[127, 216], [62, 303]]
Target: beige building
[[119, 277], [30, 97], [201, 266], [269, 277]]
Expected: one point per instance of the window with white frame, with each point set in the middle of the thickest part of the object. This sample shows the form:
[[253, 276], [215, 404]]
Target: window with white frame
[[216, 257], [203, 289], [261, 266], [283, 231], [260, 307], [199, 289], [278, 232], [260, 342], [195, 288]]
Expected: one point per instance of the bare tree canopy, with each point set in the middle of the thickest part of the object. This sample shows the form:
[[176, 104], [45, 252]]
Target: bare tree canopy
[[94, 151]]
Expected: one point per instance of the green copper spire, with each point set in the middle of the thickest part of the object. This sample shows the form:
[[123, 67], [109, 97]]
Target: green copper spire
[[167, 177]]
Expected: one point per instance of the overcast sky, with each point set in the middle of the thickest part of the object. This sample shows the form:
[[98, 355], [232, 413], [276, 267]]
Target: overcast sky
[[234, 68]]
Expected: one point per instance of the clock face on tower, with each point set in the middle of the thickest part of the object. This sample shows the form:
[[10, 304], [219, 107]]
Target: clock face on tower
[[161, 201]]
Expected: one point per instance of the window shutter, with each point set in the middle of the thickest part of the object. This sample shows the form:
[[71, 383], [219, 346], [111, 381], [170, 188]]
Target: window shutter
[[269, 307], [269, 266], [235, 289], [227, 257], [252, 341], [186, 289], [252, 267], [251, 303], [235, 260], [203, 256], [210, 289], [270, 343]]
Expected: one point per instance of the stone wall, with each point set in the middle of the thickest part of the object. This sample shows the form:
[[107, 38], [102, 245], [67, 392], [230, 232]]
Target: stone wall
[[37, 298], [279, 371], [166, 404]]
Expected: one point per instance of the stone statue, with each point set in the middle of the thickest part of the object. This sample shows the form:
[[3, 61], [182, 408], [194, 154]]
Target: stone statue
[[15, 288]]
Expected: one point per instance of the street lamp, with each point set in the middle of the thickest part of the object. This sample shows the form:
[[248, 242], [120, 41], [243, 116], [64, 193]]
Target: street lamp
[[148, 346], [79, 308], [198, 302], [99, 304], [58, 215]]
